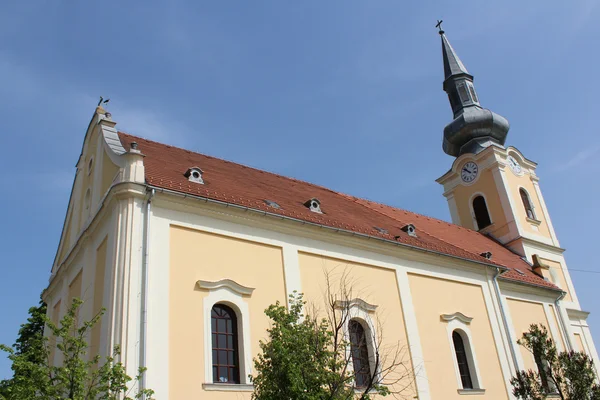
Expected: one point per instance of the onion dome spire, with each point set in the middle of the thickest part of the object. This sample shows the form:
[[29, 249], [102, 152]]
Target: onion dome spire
[[474, 128]]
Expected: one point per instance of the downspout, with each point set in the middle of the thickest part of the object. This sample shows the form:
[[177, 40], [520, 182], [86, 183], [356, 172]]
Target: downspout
[[145, 291], [511, 343], [563, 327]]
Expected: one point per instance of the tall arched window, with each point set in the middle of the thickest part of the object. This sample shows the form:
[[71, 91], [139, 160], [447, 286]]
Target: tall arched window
[[225, 357], [527, 203], [462, 360], [482, 216], [360, 354]]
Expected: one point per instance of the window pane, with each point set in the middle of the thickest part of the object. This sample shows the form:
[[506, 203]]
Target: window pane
[[461, 359], [225, 354], [222, 344], [221, 325], [360, 354], [223, 374]]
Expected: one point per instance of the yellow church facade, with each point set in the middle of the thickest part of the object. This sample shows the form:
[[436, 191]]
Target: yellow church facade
[[186, 251]]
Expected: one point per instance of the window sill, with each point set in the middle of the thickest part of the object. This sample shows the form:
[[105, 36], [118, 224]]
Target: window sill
[[228, 387], [471, 391], [534, 221]]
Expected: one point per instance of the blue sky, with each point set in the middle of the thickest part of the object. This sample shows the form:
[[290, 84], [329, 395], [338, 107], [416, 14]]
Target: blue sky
[[346, 94]]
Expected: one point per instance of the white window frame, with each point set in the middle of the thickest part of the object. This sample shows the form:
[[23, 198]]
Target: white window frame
[[360, 311], [530, 204], [231, 294], [460, 323]]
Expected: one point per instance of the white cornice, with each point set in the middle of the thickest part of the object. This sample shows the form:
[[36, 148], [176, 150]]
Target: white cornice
[[227, 284], [457, 315], [356, 302], [577, 314]]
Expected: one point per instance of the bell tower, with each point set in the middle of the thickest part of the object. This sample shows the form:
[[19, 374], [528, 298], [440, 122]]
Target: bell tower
[[492, 188]]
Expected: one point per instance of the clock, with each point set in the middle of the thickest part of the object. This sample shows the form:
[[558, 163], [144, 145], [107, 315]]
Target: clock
[[514, 165], [469, 172]]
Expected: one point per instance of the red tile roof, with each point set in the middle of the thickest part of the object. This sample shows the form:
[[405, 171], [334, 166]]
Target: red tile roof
[[244, 186]]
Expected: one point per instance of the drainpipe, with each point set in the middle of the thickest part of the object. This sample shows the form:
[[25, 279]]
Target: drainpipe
[[563, 326], [511, 343], [145, 290]]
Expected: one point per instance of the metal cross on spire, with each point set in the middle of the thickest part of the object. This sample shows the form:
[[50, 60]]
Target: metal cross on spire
[[439, 26]]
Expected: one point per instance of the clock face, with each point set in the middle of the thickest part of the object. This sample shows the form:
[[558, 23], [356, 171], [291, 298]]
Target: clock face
[[469, 172], [514, 165]]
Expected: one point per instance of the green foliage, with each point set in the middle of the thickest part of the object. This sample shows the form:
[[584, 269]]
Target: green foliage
[[570, 375], [79, 376], [303, 360], [29, 345]]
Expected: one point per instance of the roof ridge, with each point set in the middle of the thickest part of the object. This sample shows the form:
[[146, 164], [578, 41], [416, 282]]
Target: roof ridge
[[233, 162], [426, 231], [417, 214]]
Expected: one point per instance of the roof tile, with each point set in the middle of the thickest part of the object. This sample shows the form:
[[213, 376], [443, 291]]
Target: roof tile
[[238, 184]]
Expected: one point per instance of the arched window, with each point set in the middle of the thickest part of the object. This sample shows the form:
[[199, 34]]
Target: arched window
[[225, 357], [462, 360], [527, 203], [360, 354], [482, 216]]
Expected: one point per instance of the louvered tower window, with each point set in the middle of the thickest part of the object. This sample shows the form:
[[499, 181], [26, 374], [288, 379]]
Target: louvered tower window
[[473, 94], [225, 357], [360, 354], [482, 216], [527, 203], [462, 360], [462, 91]]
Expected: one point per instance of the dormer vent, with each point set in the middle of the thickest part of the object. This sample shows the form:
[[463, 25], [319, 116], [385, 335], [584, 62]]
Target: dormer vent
[[410, 229], [194, 174], [272, 204], [381, 230], [314, 205], [487, 255]]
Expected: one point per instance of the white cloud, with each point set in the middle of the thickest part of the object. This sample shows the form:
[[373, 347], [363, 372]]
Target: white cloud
[[579, 158]]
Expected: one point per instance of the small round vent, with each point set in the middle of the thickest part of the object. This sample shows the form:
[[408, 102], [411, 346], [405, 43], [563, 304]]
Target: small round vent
[[314, 205], [194, 174], [410, 229]]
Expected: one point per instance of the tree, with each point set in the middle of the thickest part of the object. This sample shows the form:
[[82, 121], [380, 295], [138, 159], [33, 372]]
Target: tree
[[311, 358], [29, 345], [569, 375], [77, 377]]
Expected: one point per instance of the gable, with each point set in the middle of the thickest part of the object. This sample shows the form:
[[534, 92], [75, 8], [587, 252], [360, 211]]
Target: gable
[[96, 171]]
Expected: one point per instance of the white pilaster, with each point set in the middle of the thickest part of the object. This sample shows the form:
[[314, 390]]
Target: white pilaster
[[412, 333]]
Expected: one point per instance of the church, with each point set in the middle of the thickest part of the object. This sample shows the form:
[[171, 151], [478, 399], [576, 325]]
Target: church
[[185, 252]]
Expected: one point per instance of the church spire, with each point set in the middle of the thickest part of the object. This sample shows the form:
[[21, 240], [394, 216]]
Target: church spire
[[474, 128]]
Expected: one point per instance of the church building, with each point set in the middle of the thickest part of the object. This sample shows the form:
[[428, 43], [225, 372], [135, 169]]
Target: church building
[[185, 252]]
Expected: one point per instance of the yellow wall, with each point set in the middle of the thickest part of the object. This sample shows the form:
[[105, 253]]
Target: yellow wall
[[579, 342], [52, 339], [486, 185], [514, 183], [374, 285], [109, 171], [98, 296], [196, 255], [433, 297], [74, 289], [523, 314], [559, 280]]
